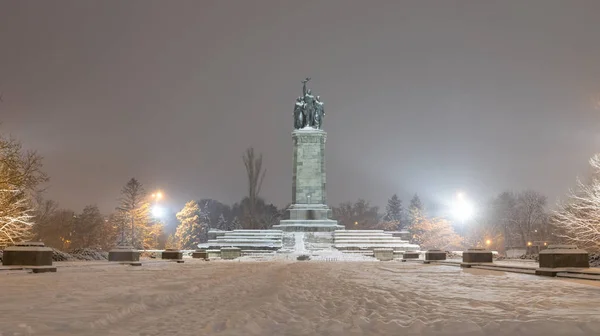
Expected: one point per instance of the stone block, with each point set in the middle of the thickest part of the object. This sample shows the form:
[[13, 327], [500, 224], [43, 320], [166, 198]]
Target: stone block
[[124, 254], [172, 254], [477, 255], [410, 255], [383, 254], [435, 255], [561, 256], [200, 254], [229, 253], [27, 254], [213, 254]]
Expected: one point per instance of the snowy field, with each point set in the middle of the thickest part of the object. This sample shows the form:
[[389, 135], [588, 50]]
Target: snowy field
[[292, 298]]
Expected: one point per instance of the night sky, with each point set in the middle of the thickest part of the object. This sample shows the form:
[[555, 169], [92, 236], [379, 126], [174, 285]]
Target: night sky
[[420, 96]]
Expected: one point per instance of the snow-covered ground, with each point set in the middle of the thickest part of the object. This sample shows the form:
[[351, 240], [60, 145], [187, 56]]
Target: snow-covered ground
[[293, 298]]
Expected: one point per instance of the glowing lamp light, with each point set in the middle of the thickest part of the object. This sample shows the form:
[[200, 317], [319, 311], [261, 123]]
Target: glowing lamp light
[[529, 244], [488, 242], [462, 209], [158, 211]]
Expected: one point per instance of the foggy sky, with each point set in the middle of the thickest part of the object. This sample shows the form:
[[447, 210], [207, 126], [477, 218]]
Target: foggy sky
[[425, 97]]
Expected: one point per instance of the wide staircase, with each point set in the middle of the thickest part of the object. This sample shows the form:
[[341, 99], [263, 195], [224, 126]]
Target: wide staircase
[[251, 240], [367, 240]]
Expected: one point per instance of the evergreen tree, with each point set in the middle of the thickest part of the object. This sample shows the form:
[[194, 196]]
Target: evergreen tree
[[193, 227], [415, 210], [222, 223], [235, 224], [394, 216], [172, 242], [134, 214], [88, 228]]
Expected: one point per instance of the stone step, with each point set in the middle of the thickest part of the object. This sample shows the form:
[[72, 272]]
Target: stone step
[[506, 269], [362, 239], [366, 246], [583, 276]]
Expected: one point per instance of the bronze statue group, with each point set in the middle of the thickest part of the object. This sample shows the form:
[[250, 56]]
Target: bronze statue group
[[308, 111]]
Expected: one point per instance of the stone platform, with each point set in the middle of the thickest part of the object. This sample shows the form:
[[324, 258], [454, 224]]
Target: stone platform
[[307, 225], [369, 240], [245, 239]]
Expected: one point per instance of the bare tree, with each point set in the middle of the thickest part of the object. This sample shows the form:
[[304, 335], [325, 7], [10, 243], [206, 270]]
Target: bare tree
[[20, 175], [578, 218], [256, 175]]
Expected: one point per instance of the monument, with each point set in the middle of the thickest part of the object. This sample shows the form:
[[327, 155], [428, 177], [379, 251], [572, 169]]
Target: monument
[[309, 210]]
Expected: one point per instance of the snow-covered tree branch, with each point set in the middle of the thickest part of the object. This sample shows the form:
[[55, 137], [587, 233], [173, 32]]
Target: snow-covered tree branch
[[578, 219], [20, 175]]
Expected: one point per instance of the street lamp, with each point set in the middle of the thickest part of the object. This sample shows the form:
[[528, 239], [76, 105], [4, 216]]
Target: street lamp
[[157, 196], [462, 209], [158, 211]]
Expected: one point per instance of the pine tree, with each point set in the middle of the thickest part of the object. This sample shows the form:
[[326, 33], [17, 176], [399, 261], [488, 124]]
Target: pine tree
[[235, 224], [193, 227], [394, 216], [134, 214], [415, 210], [222, 223], [172, 242]]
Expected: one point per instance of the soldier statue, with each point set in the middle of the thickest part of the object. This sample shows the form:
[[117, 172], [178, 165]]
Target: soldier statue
[[308, 110]]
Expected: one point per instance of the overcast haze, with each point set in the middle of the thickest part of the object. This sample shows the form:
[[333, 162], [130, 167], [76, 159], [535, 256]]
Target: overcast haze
[[420, 96]]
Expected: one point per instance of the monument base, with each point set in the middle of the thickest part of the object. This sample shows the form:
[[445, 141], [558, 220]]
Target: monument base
[[307, 225]]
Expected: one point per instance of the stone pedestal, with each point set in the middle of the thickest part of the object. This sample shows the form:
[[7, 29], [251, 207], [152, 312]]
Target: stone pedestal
[[433, 255], [410, 255], [124, 254], [229, 253], [477, 255], [383, 254], [200, 254], [27, 254], [560, 256], [309, 210], [172, 254]]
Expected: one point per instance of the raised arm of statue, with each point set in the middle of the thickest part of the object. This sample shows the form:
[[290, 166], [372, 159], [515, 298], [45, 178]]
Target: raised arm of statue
[[304, 86]]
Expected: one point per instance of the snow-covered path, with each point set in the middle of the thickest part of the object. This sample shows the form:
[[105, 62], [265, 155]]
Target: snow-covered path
[[293, 298], [299, 243]]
